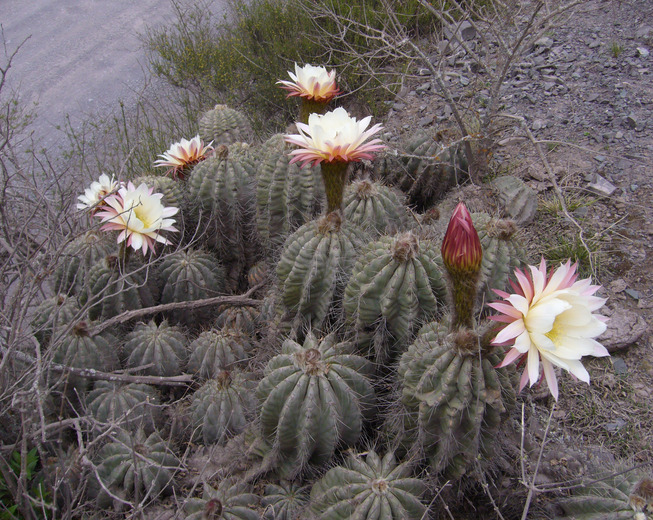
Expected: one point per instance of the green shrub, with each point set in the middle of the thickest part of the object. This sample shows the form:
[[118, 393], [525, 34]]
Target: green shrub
[[240, 58]]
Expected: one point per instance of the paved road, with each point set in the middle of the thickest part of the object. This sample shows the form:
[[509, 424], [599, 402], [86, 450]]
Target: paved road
[[82, 56]]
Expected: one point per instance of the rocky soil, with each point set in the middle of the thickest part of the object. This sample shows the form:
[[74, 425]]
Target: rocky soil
[[585, 89]]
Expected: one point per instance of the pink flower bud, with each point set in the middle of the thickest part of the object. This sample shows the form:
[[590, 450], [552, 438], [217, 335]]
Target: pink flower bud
[[461, 247]]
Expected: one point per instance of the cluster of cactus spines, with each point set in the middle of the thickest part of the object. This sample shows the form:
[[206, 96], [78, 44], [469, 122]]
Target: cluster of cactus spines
[[369, 487], [223, 191], [53, 313], [130, 406], [224, 125], [502, 253], [76, 260], [518, 199], [173, 191], [315, 266], [287, 196], [114, 287], [244, 318], [231, 500], [429, 170], [161, 350], [77, 348], [395, 287], [216, 351], [188, 275], [222, 407], [623, 496], [449, 381], [374, 206], [135, 465], [284, 501], [314, 397]]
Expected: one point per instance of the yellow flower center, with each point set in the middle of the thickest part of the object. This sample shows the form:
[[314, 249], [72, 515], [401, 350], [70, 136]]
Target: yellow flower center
[[141, 214], [554, 334]]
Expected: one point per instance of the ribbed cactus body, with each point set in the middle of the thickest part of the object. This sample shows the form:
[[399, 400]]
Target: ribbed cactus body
[[131, 406], [502, 253], [135, 465], [222, 407], [287, 196], [314, 397], [78, 349], [231, 500], [375, 207], [450, 382], [52, 314], [112, 290], [518, 199], [224, 125], [243, 318], [395, 286], [428, 171], [172, 190], [314, 268], [284, 501], [223, 193], [368, 487], [190, 275], [214, 352], [624, 496], [163, 347], [77, 258]]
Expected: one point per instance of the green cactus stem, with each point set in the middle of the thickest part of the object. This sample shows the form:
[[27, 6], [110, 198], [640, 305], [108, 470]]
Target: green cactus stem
[[334, 175]]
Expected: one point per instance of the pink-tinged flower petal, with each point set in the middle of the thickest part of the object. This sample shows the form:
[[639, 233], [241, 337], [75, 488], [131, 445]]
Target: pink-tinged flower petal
[[550, 318], [139, 216], [334, 136], [533, 365], [551, 379], [511, 356], [313, 83], [510, 332], [506, 309], [182, 155]]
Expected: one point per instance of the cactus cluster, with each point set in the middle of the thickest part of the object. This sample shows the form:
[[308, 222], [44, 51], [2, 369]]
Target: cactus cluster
[[340, 329]]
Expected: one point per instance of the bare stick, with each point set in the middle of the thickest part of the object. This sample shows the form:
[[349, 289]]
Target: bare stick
[[91, 373], [531, 486], [240, 301]]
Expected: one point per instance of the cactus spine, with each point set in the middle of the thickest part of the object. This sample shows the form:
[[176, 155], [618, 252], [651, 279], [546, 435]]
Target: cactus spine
[[222, 407], [314, 267], [370, 488], [214, 352], [136, 465], [187, 276], [374, 206], [231, 500], [314, 397], [287, 196], [224, 125], [395, 286], [164, 347], [456, 395]]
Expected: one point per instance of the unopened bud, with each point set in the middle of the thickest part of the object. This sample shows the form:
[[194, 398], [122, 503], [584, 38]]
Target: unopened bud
[[461, 248]]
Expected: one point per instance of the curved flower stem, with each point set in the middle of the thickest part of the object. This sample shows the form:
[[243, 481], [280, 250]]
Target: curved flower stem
[[334, 175]]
